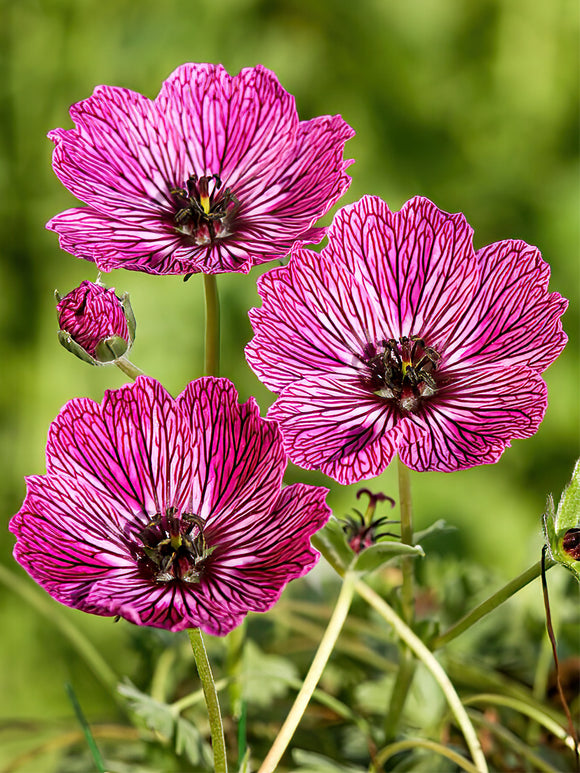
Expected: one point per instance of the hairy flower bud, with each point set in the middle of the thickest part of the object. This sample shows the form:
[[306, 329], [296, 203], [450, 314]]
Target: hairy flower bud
[[95, 324]]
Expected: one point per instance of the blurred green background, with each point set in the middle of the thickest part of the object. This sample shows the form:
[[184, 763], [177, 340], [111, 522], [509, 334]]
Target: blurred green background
[[473, 104]]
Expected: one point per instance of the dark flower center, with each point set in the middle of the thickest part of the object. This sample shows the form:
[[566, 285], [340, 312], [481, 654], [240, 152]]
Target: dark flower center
[[401, 371], [173, 547], [204, 211]]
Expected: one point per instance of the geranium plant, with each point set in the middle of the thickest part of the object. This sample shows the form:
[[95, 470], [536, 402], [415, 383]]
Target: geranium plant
[[398, 343]]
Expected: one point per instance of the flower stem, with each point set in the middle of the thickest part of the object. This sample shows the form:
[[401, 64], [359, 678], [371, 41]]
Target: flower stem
[[312, 677], [128, 368], [426, 656], [406, 510], [422, 743], [212, 326], [406, 661], [487, 606], [211, 700], [399, 693]]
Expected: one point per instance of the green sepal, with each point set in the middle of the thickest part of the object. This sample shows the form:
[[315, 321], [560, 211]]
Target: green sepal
[[129, 316], [380, 553], [331, 541], [66, 340], [110, 349], [558, 524]]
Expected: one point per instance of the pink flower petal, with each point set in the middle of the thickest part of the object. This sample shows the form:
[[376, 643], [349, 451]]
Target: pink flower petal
[[419, 262], [112, 243], [134, 447], [122, 157], [253, 567], [238, 460], [230, 126], [475, 418], [512, 300], [305, 186], [327, 420], [68, 537], [320, 311], [171, 606]]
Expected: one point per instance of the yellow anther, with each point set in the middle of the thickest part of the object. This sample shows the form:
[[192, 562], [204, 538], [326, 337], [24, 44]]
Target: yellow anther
[[205, 205]]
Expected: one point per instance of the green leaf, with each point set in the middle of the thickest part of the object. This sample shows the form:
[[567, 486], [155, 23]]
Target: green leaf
[[188, 741], [157, 716], [331, 541], [245, 763], [560, 526], [266, 677], [376, 555], [434, 528]]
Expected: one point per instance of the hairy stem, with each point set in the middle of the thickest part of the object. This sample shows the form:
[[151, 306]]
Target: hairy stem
[[426, 656], [128, 368], [212, 326], [312, 677], [211, 700], [487, 606]]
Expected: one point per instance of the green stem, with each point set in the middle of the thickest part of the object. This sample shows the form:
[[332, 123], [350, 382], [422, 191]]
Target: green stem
[[426, 656], [128, 368], [487, 606], [406, 662], [194, 697], [422, 743], [211, 700], [513, 741], [528, 710], [160, 679], [399, 693], [212, 326], [312, 677], [406, 510]]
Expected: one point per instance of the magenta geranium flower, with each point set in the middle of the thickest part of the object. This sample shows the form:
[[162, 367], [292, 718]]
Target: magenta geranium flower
[[400, 338], [167, 512], [95, 324], [216, 174]]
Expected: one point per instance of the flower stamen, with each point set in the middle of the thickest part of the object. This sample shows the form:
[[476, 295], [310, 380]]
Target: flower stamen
[[174, 547], [204, 212], [401, 370]]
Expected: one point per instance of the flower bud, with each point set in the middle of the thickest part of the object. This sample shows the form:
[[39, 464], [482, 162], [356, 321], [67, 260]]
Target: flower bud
[[95, 324]]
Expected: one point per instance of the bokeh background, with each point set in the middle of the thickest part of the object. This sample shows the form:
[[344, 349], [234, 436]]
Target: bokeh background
[[473, 104]]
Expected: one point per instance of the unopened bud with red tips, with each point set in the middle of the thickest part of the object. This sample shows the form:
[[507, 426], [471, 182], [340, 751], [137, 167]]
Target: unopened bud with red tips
[[95, 324]]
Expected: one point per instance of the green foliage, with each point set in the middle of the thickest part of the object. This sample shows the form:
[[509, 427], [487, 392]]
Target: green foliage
[[562, 528], [266, 676], [160, 718]]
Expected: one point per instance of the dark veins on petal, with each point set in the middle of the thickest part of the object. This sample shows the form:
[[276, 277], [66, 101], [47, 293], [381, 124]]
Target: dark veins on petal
[[171, 548], [401, 371], [204, 211]]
